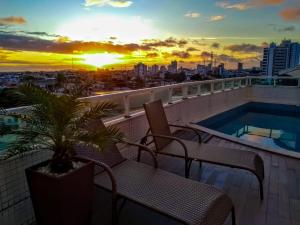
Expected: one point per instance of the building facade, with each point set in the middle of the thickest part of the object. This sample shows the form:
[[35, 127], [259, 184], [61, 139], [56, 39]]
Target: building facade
[[140, 70], [280, 57]]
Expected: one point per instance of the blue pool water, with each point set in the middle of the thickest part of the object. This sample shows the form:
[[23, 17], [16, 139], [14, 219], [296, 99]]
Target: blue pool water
[[7, 139], [271, 125]]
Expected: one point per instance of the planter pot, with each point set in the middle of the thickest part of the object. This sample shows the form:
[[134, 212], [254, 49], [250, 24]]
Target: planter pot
[[63, 200]]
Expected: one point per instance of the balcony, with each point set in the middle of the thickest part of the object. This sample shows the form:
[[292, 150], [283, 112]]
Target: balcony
[[184, 103]]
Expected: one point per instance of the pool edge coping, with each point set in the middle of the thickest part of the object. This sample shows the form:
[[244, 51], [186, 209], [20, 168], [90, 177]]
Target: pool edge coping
[[286, 153]]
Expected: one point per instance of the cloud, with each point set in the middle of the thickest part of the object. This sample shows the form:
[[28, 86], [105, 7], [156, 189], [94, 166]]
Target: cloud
[[192, 49], [244, 48], [215, 45], [152, 55], [170, 42], [12, 20], [181, 54], [244, 5], [205, 54], [283, 29], [290, 14], [113, 3], [217, 18], [15, 42], [192, 14], [226, 58], [237, 6]]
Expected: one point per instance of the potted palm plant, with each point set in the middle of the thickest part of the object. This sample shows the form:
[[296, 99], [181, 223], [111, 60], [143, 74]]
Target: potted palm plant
[[61, 188]]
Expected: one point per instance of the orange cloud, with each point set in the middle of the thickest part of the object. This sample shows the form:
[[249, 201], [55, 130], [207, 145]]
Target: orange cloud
[[12, 20], [290, 14]]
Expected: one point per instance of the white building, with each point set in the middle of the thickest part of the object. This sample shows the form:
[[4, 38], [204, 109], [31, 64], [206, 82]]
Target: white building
[[281, 57]]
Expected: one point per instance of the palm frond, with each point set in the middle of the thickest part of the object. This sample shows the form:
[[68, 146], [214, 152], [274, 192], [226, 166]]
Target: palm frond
[[101, 136], [98, 111]]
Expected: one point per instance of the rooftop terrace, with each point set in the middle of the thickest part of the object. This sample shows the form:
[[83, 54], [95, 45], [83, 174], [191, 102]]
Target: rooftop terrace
[[185, 103]]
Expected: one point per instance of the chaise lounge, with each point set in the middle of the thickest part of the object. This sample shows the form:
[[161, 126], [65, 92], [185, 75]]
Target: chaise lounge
[[167, 144], [181, 199]]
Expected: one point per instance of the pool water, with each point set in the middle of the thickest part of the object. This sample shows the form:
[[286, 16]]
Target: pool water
[[271, 125], [5, 140]]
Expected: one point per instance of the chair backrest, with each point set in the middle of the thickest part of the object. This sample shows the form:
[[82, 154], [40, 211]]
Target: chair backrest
[[109, 155], [158, 123]]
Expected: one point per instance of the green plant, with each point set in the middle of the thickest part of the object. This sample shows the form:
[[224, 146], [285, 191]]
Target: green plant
[[57, 123]]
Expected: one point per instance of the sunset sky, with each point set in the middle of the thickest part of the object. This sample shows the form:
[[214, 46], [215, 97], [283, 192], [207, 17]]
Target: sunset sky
[[86, 34]]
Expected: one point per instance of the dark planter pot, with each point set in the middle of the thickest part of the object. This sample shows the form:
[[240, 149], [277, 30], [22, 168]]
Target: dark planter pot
[[64, 200]]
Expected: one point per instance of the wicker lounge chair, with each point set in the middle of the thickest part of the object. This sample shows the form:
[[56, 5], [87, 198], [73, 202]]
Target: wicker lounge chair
[[167, 144], [181, 199]]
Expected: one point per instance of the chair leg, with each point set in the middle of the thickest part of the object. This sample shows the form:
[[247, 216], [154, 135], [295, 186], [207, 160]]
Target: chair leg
[[233, 216], [187, 171], [200, 164], [261, 190], [139, 155], [115, 216], [188, 164], [122, 206]]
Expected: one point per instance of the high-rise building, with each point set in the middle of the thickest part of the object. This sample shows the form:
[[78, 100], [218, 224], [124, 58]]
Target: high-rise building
[[277, 58], [154, 69], [172, 68], [140, 70], [240, 67], [221, 69], [163, 69]]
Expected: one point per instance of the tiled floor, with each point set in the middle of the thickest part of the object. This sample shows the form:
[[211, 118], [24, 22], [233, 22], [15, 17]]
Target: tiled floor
[[281, 205]]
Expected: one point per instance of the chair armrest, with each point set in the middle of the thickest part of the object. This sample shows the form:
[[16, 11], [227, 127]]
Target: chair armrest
[[186, 156], [188, 128], [110, 173], [142, 147]]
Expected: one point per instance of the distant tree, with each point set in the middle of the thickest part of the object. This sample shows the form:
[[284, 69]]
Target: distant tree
[[177, 77], [27, 78], [180, 77], [10, 97], [196, 77]]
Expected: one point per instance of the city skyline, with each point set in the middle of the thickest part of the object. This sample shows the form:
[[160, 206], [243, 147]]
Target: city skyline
[[90, 34]]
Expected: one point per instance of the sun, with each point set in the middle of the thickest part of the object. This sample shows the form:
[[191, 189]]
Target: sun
[[101, 59]]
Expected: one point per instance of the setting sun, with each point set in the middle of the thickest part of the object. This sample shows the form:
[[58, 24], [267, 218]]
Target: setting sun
[[101, 59]]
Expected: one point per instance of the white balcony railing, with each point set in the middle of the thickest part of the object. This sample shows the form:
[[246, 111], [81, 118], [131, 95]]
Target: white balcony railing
[[131, 101]]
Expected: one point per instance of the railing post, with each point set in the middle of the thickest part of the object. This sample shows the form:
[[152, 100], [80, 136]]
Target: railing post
[[250, 81], [223, 85], [240, 83], [274, 82], [199, 90], [184, 92], [212, 87], [170, 94], [126, 101]]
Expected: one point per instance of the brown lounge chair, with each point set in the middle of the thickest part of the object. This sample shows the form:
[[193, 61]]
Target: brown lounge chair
[[181, 199], [167, 144]]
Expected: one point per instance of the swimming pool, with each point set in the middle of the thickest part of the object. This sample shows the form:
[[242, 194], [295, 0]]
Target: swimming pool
[[271, 125], [5, 140]]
